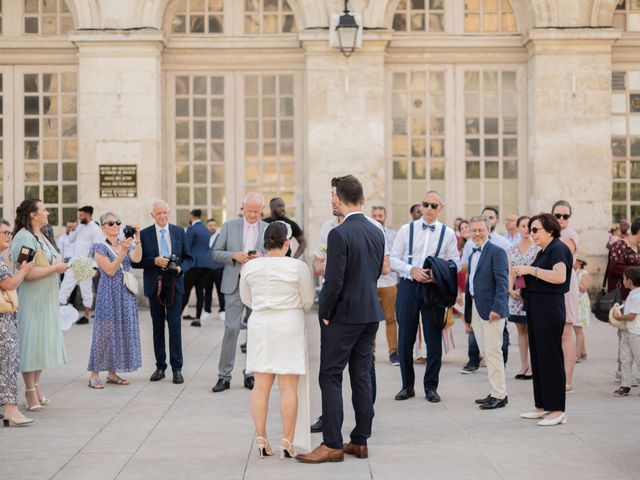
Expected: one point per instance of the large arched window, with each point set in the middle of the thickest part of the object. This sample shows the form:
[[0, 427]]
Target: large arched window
[[199, 17], [419, 16], [46, 17], [268, 16], [627, 15], [489, 16]]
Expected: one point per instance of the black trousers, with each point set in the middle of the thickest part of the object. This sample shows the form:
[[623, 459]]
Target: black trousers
[[171, 316], [410, 304], [214, 278], [545, 319], [342, 344], [195, 277]]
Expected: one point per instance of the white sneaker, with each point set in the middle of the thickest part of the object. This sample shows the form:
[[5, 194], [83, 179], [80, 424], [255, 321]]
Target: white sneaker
[[550, 422], [221, 315], [204, 318]]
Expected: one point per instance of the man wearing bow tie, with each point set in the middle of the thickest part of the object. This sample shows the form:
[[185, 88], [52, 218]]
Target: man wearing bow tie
[[422, 238]]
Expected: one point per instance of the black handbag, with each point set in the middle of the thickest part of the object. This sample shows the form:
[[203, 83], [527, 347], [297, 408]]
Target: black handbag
[[604, 300]]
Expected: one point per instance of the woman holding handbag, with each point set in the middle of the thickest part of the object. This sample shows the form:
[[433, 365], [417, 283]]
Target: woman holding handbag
[[116, 333], [41, 340], [9, 338], [622, 254]]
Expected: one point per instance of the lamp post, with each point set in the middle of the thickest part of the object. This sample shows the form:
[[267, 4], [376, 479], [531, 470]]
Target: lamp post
[[347, 30]]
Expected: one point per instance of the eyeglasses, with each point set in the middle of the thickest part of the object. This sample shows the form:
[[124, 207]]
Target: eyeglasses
[[7, 233], [433, 206], [111, 223], [535, 230], [564, 216]]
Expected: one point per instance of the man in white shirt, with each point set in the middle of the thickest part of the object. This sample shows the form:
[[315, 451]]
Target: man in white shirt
[[510, 224], [82, 237], [66, 247], [414, 243], [387, 290]]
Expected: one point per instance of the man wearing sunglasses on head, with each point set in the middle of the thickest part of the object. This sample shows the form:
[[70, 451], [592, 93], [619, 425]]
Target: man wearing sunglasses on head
[[422, 238], [85, 234]]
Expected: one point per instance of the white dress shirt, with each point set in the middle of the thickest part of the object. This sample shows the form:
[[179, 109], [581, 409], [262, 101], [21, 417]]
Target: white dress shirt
[[425, 243], [390, 279], [327, 226], [513, 239], [167, 237], [67, 249], [475, 257], [213, 238], [84, 236]]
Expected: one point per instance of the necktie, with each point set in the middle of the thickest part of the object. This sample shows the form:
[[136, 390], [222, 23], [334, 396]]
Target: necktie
[[250, 241], [163, 242], [479, 249], [430, 227]]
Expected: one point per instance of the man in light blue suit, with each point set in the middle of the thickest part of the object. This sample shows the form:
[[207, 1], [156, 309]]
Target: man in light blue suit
[[486, 306]]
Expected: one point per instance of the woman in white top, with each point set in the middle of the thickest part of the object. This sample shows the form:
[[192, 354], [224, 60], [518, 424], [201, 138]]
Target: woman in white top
[[278, 289]]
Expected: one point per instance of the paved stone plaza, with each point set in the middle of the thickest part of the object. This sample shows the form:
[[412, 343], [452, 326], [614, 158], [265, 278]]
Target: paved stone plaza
[[178, 432]]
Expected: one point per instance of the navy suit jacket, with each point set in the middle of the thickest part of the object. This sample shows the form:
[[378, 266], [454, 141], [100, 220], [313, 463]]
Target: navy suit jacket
[[150, 251], [490, 284], [198, 241], [355, 254]]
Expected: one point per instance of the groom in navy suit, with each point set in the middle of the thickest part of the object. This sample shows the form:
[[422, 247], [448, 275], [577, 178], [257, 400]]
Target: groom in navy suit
[[165, 290], [349, 310]]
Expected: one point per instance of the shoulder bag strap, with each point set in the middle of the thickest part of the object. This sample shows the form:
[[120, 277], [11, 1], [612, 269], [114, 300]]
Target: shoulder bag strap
[[606, 272]]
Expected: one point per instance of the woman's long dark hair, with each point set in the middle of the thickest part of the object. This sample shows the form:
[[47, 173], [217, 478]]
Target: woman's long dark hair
[[23, 214]]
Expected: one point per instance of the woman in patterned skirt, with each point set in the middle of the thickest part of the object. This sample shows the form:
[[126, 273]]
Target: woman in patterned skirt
[[116, 334], [9, 341]]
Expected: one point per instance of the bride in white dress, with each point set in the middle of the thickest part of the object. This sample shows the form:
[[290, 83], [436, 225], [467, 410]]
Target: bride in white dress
[[279, 290]]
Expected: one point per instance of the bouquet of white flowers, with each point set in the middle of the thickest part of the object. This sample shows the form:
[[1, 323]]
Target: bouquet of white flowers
[[82, 268]]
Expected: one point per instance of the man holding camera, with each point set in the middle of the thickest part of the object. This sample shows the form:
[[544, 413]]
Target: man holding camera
[[240, 241], [165, 259]]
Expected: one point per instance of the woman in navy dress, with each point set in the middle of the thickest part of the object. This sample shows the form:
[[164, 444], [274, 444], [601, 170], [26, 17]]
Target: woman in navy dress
[[116, 333], [547, 279]]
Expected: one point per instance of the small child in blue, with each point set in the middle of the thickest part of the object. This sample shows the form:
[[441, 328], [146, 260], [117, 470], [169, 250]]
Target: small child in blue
[[629, 338]]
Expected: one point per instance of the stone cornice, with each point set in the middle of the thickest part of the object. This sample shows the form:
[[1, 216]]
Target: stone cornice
[[563, 41]]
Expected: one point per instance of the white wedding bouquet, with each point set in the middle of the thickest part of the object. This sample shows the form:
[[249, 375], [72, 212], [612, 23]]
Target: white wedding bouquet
[[82, 268]]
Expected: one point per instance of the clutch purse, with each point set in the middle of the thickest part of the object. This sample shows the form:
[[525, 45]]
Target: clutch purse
[[520, 283], [8, 301]]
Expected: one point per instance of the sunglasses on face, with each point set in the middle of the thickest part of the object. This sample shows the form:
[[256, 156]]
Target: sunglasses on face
[[433, 206], [535, 230], [564, 216], [111, 223]]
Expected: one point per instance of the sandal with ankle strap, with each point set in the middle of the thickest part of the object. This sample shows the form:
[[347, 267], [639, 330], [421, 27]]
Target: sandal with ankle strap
[[44, 400], [95, 383], [264, 450], [37, 407], [117, 381], [286, 449]]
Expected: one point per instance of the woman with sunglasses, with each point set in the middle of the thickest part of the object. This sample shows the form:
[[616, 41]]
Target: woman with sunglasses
[[9, 339], [116, 334], [562, 211], [547, 279], [41, 339]]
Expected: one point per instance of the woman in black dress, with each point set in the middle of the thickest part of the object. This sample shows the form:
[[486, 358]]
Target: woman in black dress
[[547, 280]]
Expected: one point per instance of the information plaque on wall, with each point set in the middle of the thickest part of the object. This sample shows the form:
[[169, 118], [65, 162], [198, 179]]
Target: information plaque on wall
[[118, 181]]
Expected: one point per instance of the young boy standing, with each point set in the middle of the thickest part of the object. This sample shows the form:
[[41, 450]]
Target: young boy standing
[[629, 338]]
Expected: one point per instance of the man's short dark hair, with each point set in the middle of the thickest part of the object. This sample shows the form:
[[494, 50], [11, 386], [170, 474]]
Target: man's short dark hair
[[635, 226], [491, 209], [86, 209], [549, 223], [334, 181], [212, 220], [414, 207], [196, 212], [379, 207], [633, 274], [349, 190]]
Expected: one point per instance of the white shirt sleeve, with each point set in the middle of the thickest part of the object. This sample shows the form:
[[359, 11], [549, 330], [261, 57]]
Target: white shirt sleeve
[[466, 251], [399, 252], [451, 247]]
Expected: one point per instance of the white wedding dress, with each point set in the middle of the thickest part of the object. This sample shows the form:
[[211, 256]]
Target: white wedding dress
[[279, 290]]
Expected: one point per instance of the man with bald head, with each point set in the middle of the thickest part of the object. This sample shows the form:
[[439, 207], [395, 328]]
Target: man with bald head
[[164, 286], [240, 241]]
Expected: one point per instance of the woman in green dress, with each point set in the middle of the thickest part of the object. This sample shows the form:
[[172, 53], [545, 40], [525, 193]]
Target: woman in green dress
[[41, 340]]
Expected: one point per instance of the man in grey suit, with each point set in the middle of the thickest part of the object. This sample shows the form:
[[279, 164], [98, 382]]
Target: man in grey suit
[[240, 241]]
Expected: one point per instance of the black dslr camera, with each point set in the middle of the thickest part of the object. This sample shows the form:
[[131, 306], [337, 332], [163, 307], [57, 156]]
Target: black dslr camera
[[172, 266], [129, 231]]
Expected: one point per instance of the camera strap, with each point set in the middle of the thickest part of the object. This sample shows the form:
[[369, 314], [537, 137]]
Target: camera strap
[[167, 302]]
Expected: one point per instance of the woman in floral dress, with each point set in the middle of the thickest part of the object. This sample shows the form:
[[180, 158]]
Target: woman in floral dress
[[116, 333], [584, 307]]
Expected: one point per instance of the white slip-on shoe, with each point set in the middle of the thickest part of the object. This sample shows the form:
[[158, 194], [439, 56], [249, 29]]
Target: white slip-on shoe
[[550, 422], [534, 415]]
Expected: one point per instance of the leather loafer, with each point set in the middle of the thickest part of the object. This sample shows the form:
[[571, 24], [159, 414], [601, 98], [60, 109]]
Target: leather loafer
[[493, 403], [157, 375], [249, 382], [221, 385], [432, 395], [482, 401], [405, 394], [196, 323], [178, 378], [359, 451], [317, 427], [322, 454], [243, 347]]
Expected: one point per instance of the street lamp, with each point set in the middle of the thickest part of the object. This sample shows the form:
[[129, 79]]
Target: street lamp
[[347, 30]]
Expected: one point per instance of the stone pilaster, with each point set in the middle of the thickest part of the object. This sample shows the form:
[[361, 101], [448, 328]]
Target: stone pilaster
[[570, 127], [120, 116]]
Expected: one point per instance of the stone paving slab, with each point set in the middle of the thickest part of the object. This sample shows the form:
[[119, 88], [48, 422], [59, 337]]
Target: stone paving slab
[[164, 431]]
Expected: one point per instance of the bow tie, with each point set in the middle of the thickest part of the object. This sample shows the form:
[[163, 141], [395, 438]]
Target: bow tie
[[430, 227], [478, 249]]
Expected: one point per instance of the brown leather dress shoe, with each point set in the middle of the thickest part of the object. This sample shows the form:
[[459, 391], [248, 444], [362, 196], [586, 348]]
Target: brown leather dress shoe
[[360, 451], [322, 454]]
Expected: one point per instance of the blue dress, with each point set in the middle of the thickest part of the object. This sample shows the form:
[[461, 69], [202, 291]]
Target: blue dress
[[116, 333]]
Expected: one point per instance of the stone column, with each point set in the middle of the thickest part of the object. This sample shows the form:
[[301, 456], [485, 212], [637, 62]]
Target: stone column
[[345, 124], [570, 127], [120, 116]]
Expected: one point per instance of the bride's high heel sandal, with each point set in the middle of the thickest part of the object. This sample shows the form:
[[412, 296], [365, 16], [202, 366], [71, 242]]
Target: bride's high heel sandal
[[37, 407], [286, 449], [263, 447], [44, 400]]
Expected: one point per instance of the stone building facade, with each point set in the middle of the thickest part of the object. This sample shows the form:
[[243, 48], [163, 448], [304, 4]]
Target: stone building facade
[[509, 103]]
